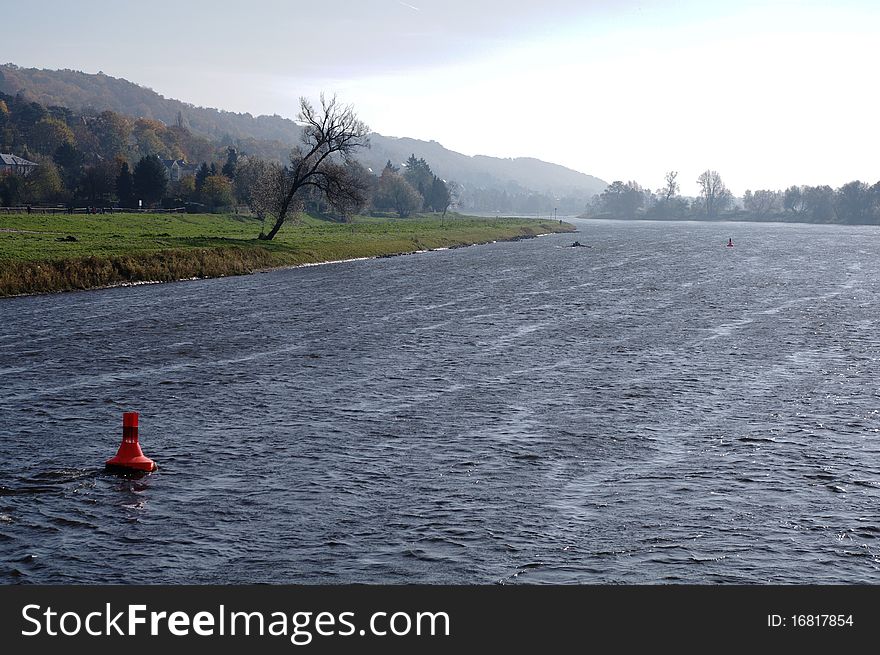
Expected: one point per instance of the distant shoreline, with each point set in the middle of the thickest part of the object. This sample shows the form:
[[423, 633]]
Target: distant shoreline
[[54, 253], [723, 219]]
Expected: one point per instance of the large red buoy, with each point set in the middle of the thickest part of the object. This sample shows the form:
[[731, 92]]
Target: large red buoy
[[730, 243], [130, 457]]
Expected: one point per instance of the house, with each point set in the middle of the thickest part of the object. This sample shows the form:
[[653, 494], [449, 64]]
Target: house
[[17, 165], [177, 169]]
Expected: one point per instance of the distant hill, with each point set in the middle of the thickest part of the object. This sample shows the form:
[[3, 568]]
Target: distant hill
[[79, 91], [481, 170], [273, 135]]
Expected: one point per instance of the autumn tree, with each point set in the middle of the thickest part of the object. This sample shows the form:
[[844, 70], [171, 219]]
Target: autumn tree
[[50, 133], [182, 190], [6, 130], [153, 137], [98, 181], [44, 184], [192, 148], [331, 135], [111, 131], [217, 191], [148, 134]]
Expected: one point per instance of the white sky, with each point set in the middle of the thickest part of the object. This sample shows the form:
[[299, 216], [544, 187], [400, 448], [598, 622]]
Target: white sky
[[767, 93]]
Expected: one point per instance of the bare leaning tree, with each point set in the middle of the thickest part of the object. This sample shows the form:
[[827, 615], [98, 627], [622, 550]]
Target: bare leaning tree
[[331, 136]]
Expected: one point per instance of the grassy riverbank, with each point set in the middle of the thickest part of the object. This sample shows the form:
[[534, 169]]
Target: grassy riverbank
[[45, 253]]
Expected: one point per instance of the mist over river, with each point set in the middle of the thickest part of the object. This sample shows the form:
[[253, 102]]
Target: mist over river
[[655, 408]]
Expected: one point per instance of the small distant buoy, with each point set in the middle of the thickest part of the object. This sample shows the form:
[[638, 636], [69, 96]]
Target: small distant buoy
[[730, 243], [130, 457]]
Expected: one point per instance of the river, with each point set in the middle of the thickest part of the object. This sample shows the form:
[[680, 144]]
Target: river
[[656, 408]]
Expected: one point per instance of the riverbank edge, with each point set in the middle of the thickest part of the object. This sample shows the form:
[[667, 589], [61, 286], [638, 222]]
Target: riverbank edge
[[41, 277], [724, 219]]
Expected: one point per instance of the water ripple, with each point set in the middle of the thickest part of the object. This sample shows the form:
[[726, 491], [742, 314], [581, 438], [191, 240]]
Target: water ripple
[[656, 409]]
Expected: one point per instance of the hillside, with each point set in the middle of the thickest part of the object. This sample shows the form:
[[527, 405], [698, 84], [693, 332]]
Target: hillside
[[273, 135], [481, 170], [78, 91]]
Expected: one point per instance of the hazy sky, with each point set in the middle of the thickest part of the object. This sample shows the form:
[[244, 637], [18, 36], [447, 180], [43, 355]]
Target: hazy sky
[[767, 93]]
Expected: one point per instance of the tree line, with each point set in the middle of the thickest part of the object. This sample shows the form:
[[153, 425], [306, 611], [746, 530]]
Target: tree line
[[853, 203], [270, 138], [81, 156], [110, 159]]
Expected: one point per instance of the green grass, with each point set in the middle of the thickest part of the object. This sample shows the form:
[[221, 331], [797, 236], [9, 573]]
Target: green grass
[[37, 254]]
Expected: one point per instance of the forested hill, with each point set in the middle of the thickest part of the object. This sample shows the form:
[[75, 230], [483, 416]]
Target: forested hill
[[79, 91], [272, 136]]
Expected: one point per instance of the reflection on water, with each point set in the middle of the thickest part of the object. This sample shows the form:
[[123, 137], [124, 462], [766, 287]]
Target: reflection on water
[[656, 408]]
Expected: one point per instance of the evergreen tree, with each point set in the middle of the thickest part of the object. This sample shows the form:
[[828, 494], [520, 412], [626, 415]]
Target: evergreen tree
[[231, 164], [439, 198], [125, 186], [201, 175], [419, 175], [150, 180], [11, 190], [69, 160]]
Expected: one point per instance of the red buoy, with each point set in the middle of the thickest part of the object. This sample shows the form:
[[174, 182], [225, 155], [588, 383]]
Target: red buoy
[[730, 243], [130, 457]]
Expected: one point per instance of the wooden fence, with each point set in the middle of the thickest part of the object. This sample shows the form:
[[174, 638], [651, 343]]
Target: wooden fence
[[87, 210]]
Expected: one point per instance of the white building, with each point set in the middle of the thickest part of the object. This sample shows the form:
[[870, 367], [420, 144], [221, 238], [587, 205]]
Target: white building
[[16, 165]]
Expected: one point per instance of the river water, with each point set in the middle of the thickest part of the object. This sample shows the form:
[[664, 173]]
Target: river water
[[654, 408]]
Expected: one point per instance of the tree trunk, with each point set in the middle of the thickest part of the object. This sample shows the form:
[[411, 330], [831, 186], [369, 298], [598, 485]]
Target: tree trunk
[[282, 215], [273, 231]]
